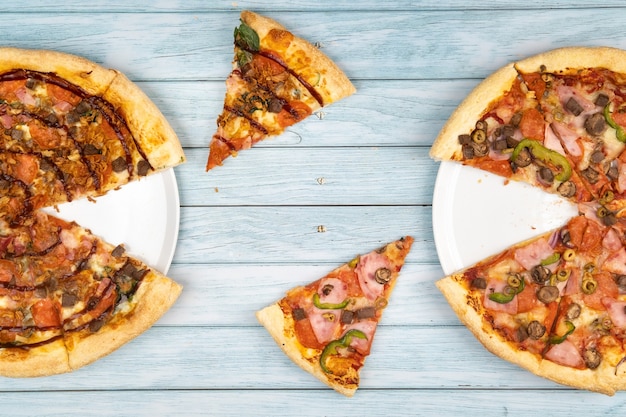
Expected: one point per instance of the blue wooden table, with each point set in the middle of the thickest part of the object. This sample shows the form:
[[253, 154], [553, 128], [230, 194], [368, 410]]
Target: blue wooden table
[[340, 183]]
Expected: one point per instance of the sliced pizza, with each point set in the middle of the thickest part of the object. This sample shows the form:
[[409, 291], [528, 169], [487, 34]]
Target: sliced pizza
[[551, 305], [68, 298], [327, 327], [73, 129], [277, 80]]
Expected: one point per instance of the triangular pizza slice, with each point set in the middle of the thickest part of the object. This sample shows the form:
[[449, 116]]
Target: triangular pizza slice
[[327, 327], [277, 80], [68, 298]]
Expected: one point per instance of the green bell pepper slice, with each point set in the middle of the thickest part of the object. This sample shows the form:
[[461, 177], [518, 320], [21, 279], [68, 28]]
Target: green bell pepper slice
[[507, 297], [331, 348], [328, 306], [555, 340], [546, 155], [619, 131], [551, 259]]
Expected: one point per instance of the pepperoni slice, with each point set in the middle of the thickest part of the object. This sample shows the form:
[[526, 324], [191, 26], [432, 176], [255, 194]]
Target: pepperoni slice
[[532, 125], [586, 235], [46, 313]]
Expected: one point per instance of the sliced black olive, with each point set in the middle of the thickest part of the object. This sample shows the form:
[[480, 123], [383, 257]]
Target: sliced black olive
[[540, 274], [465, 139], [547, 294], [573, 311], [573, 106], [567, 189], [546, 175], [602, 100], [365, 313], [347, 316], [592, 358], [383, 275], [468, 151], [31, 83], [327, 289], [590, 175], [536, 330], [524, 158], [621, 282], [143, 167], [479, 283], [595, 124]]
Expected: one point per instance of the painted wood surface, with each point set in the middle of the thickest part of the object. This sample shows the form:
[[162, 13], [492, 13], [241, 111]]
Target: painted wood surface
[[343, 182]]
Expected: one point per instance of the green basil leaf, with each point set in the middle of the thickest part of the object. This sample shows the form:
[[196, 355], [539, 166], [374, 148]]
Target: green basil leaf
[[247, 38]]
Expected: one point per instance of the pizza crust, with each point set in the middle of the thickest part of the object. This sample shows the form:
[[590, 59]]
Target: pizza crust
[[301, 57], [91, 77], [273, 319], [155, 296], [457, 297], [48, 359], [559, 60], [446, 146], [147, 124]]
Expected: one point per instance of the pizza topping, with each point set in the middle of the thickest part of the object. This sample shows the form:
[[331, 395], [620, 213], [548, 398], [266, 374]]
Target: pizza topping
[[514, 286], [369, 276], [595, 124], [555, 340], [547, 294], [565, 353], [589, 284], [332, 347], [592, 358], [619, 131], [573, 311], [537, 150], [535, 330]]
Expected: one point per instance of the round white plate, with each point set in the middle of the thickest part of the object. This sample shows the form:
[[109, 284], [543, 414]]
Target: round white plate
[[144, 215], [477, 214]]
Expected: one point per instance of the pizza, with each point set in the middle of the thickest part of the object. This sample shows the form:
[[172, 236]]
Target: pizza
[[71, 129], [278, 79], [327, 326], [555, 304]]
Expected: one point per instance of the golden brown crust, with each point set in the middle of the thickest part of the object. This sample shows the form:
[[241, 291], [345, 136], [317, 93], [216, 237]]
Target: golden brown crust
[[575, 57], [471, 315], [274, 320], [146, 122], [91, 77], [446, 146], [155, 296], [302, 57], [48, 359]]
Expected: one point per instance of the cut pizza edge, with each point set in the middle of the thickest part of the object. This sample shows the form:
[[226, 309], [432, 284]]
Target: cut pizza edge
[[570, 169], [297, 321], [579, 345], [70, 320], [154, 138], [278, 79], [462, 305]]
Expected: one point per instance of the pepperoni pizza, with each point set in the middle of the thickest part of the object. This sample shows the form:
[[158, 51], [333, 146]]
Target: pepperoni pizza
[[556, 304], [278, 79], [71, 129], [327, 327]]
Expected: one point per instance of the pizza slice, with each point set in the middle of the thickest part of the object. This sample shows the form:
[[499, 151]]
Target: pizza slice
[[68, 298], [277, 80], [578, 104], [552, 304], [499, 128], [73, 129], [327, 327]]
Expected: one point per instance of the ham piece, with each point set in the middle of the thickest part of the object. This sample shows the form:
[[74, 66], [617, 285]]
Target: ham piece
[[532, 254], [566, 354]]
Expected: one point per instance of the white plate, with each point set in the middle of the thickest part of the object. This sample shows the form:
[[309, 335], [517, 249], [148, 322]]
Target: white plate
[[477, 214], [143, 215]]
